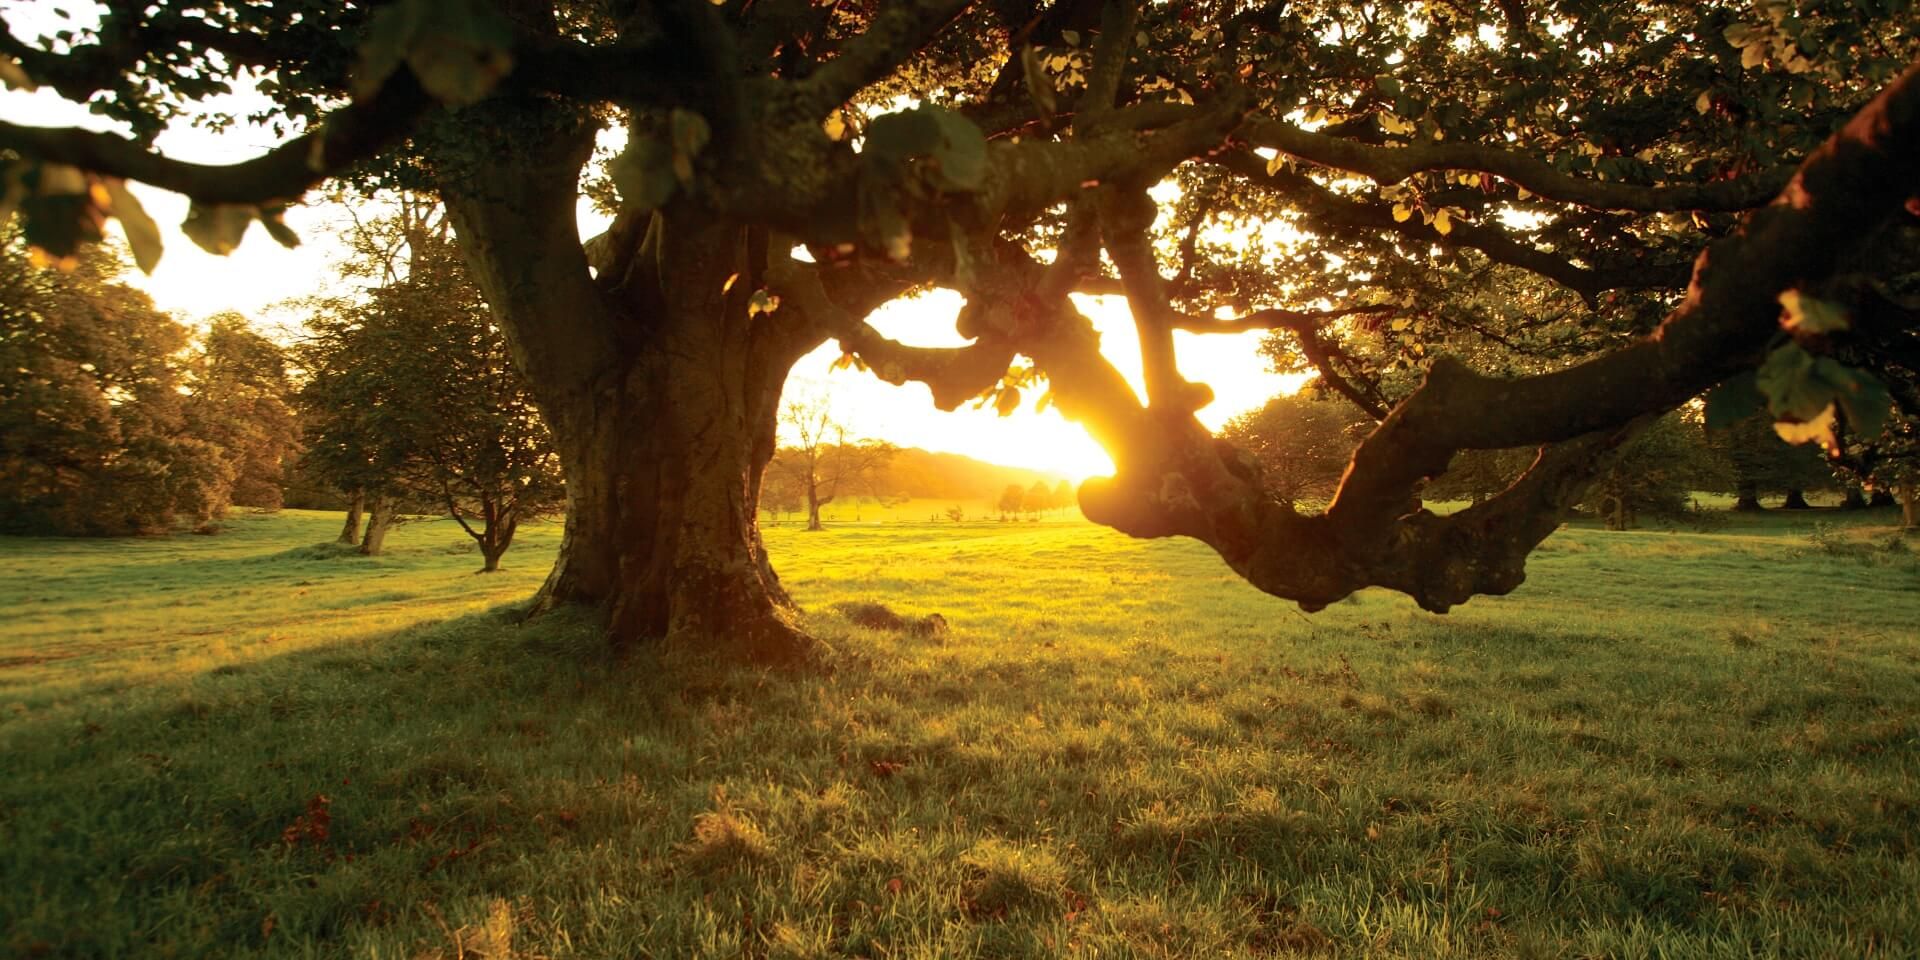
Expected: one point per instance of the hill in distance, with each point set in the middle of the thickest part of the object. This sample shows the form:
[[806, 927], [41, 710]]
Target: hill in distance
[[926, 475]]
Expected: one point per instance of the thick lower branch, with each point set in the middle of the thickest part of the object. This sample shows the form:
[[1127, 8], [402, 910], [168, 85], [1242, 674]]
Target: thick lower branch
[[348, 136]]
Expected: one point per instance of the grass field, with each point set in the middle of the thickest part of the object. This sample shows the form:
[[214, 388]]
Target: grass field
[[1677, 745]]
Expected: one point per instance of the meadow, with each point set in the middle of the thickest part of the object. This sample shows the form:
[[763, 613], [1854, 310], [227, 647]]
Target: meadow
[[1664, 744]]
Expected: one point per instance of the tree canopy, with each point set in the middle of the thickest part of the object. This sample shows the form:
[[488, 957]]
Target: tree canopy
[[1531, 224], [113, 419]]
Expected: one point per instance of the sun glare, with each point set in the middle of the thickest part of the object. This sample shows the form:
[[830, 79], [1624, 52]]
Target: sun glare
[[1028, 437]]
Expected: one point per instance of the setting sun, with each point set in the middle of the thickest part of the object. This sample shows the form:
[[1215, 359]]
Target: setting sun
[[1044, 440]]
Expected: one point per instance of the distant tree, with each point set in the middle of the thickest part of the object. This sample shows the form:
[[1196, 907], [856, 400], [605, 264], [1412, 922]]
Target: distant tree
[[93, 440], [1012, 500], [242, 400], [1655, 474], [1039, 497], [1891, 462], [1063, 496], [779, 494], [412, 397], [821, 462], [1758, 463], [956, 513], [1301, 442]]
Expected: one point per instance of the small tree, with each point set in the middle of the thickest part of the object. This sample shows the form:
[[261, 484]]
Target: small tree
[[1012, 500], [821, 463], [413, 398], [1063, 496], [1654, 475], [1039, 497], [1301, 442]]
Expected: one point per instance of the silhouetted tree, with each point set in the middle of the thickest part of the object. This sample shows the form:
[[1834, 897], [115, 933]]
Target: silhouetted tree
[[821, 463]]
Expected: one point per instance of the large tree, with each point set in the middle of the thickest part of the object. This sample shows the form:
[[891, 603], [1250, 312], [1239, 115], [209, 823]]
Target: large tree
[[1670, 170]]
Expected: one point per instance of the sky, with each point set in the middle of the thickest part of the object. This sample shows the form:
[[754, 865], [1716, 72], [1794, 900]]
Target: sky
[[259, 277]]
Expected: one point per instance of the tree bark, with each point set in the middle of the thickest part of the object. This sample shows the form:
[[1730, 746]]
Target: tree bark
[[660, 389], [813, 512], [1856, 498], [1747, 497], [350, 533], [1796, 500], [497, 535], [1910, 505], [379, 518]]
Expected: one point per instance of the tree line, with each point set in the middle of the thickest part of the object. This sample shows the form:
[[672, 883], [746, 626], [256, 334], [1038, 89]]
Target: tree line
[[399, 397], [116, 419]]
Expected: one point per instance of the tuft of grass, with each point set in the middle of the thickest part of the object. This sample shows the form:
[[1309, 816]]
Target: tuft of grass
[[723, 838], [1003, 878]]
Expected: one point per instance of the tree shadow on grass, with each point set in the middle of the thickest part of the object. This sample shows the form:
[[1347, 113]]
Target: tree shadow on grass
[[293, 797]]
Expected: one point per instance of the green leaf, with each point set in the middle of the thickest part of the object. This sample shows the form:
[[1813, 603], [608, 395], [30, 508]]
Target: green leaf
[[690, 135], [1866, 403], [143, 235], [218, 229], [457, 49], [389, 34], [1733, 401], [59, 223], [1792, 385], [1804, 313], [15, 76], [643, 172], [957, 148], [1818, 428]]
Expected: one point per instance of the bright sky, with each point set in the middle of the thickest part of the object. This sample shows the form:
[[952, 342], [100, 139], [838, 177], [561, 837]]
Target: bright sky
[[193, 285]]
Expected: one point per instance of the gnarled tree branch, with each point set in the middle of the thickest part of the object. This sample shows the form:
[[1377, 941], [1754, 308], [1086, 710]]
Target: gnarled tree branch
[[1387, 165], [352, 134]]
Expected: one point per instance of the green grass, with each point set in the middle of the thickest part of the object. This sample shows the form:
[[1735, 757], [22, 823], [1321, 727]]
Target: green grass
[[1682, 745]]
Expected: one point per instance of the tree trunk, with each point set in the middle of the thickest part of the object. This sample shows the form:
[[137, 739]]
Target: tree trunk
[[1747, 498], [660, 526], [1796, 500], [350, 533], [1910, 505], [660, 389], [1614, 511], [379, 518], [1856, 498], [497, 535], [813, 512]]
